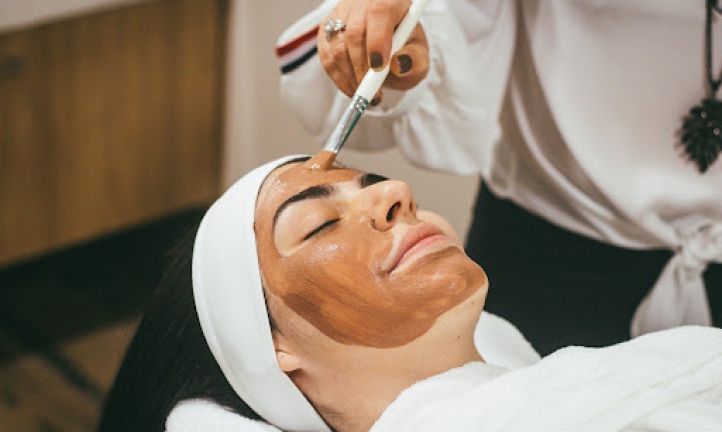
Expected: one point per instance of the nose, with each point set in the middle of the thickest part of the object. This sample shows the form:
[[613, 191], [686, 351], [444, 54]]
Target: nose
[[389, 202]]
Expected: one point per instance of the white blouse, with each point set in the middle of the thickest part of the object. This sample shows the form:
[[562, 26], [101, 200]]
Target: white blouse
[[569, 108]]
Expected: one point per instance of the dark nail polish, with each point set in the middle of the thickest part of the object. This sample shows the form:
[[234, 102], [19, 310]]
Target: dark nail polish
[[405, 63], [376, 60], [375, 101]]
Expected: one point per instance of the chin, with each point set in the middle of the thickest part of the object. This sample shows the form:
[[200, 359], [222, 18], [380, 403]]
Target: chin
[[455, 261], [448, 274], [474, 304], [473, 275]]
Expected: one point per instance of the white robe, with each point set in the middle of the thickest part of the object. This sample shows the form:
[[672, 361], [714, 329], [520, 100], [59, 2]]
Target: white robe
[[668, 381]]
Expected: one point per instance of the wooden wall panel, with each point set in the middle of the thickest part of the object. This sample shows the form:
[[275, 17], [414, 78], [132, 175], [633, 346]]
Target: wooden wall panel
[[115, 120], [26, 179]]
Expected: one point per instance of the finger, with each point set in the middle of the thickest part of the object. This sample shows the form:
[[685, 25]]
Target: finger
[[377, 99], [335, 62], [382, 18], [355, 36], [408, 68], [410, 65], [333, 54]]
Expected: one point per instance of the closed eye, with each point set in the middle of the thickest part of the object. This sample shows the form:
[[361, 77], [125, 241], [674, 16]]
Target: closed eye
[[320, 228]]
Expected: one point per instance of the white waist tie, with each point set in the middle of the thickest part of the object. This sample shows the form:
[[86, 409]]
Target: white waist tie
[[679, 296]]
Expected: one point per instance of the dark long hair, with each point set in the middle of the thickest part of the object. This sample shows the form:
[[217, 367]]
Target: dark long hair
[[168, 359]]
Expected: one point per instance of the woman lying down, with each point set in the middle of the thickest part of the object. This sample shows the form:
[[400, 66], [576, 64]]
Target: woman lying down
[[323, 299]]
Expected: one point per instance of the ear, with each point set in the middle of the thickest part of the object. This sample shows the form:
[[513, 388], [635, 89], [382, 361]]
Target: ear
[[287, 360]]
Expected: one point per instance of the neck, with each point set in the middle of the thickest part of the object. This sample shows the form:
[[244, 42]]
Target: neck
[[364, 399], [363, 389], [351, 386]]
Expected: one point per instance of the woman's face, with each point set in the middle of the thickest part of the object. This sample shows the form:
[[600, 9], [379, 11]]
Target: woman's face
[[350, 253]]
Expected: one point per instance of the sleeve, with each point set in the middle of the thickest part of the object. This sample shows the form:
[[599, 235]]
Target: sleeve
[[449, 122], [198, 415]]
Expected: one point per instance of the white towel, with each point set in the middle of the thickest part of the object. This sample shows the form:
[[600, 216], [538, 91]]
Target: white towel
[[498, 341], [198, 415], [667, 381]]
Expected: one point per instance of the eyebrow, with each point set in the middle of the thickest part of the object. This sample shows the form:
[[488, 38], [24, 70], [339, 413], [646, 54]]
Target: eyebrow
[[324, 191], [368, 179], [314, 192]]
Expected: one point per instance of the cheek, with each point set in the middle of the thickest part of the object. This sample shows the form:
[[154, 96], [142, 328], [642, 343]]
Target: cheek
[[337, 288], [333, 270]]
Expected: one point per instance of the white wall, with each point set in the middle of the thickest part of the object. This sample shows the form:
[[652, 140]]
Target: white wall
[[259, 127]]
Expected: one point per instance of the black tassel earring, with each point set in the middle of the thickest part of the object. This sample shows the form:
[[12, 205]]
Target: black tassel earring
[[701, 134]]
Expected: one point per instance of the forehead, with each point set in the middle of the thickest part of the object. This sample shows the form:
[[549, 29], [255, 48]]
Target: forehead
[[290, 179]]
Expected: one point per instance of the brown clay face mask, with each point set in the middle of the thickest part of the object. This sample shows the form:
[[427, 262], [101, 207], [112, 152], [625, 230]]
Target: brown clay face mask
[[333, 255]]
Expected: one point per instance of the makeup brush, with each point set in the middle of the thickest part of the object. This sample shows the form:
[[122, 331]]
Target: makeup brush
[[372, 81]]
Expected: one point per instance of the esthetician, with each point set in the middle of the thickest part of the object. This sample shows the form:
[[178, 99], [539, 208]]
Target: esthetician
[[594, 127], [324, 299]]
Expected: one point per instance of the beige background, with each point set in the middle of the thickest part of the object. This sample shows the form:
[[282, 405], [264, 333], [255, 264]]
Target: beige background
[[260, 128]]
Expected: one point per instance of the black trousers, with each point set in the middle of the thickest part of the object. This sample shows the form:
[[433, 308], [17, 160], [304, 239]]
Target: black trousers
[[560, 288]]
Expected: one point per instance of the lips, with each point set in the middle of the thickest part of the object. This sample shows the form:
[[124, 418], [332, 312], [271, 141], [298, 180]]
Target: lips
[[415, 240]]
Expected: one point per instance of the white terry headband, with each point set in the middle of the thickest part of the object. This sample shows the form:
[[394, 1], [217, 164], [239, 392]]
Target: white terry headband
[[232, 308]]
